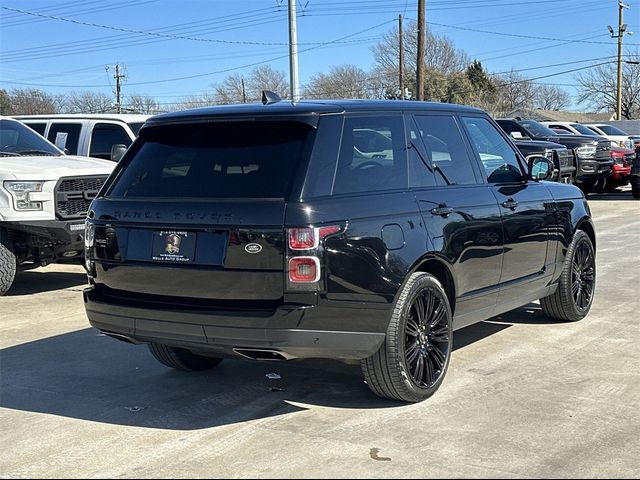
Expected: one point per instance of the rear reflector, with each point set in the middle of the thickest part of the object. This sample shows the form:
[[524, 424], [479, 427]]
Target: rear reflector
[[304, 269]]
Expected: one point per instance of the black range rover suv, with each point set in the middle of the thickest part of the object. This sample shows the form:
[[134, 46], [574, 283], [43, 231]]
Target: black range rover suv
[[356, 230]]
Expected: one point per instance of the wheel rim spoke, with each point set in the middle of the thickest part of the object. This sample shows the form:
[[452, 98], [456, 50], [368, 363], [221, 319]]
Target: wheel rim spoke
[[427, 338]]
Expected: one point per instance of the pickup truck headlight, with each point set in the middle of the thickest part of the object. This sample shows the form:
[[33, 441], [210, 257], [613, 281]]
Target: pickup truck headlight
[[21, 193], [588, 151]]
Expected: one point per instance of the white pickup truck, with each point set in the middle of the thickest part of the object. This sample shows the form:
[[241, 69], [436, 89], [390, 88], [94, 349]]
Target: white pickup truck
[[92, 135], [44, 198]]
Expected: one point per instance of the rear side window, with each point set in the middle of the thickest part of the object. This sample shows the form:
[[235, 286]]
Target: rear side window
[[38, 127], [65, 135], [446, 151], [104, 136], [215, 160], [372, 155]]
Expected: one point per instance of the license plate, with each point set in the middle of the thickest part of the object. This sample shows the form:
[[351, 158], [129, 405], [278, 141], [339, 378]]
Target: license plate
[[173, 246]]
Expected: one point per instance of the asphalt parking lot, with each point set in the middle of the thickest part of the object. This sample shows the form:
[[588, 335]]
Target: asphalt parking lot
[[524, 396]]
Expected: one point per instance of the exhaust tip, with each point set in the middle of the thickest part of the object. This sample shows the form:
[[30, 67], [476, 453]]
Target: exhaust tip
[[262, 354]]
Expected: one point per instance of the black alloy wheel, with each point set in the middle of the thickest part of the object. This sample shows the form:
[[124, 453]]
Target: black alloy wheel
[[583, 276], [412, 362], [426, 344]]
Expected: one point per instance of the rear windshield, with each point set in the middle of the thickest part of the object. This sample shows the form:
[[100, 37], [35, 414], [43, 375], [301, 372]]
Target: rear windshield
[[214, 160]]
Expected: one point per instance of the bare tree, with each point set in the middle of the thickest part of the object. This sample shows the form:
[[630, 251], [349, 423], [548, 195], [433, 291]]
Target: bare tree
[[230, 90], [5, 103], [87, 102], [513, 92], [194, 101], [142, 104], [344, 81], [31, 101], [441, 56], [598, 88], [264, 77], [550, 97]]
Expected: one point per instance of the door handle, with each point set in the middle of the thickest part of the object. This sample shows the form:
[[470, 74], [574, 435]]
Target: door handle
[[442, 210], [511, 203]]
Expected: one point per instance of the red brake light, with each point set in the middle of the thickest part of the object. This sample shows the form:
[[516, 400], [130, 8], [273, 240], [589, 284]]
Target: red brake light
[[326, 231], [302, 238], [304, 269]]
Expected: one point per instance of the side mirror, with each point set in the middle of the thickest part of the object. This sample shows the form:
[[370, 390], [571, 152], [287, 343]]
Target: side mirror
[[540, 168], [117, 151]]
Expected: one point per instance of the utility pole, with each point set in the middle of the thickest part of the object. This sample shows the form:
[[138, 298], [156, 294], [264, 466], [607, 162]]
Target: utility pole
[[293, 53], [420, 59], [118, 76], [400, 59], [622, 28], [244, 92]]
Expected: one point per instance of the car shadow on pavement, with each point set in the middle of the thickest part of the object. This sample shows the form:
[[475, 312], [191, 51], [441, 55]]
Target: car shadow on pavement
[[36, 281], [88, 376], [615, 195]]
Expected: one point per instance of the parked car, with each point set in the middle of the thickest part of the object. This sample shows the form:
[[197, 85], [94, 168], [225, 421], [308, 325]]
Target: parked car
[[593, 161], [563, 159], [44, 197], [621, 169], [618, 137], [573, 128], [261, 232], [92, 135]]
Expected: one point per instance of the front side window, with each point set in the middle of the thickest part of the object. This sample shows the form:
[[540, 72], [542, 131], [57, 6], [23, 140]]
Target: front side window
[[104, 136], [65, 135], [582, 129], [498, 158], [372, 155], [214, 160], [611, 130], [38, 127], [446, 152]]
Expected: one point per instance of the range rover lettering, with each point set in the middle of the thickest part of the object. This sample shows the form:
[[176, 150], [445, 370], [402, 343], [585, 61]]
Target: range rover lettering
[[353, 230]]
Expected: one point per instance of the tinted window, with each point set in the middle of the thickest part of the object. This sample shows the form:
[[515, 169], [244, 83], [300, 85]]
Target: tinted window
[[214, 160], [18, 139], [583, 130], [38, 127], [446, 152], [536, 128], [611, 130], [104, 136], [420, 168], [498, 158], [372, 155], [65, 135], [135, 127]]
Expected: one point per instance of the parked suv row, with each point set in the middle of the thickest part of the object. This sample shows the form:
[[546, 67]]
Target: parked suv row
[[593, 157], [353, 230]]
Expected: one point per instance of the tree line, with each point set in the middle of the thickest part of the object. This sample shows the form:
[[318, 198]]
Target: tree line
[[451, 76]]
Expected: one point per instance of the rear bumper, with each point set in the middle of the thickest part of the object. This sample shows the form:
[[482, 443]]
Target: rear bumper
[[219, 333]]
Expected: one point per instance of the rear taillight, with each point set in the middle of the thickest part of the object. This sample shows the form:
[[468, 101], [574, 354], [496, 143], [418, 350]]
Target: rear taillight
[[303, 238], [304, 259], [304, 269]]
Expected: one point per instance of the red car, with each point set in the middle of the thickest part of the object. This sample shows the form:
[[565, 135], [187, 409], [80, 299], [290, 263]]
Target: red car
[[621, 169]]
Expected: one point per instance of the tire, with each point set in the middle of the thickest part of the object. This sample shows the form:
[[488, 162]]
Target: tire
[[573, 298], [394, 371], [181, 358], [7, 269], [635, 191]]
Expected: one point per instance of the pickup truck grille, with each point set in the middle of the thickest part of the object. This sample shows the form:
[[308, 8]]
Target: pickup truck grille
[[603, 151], [73, 195]]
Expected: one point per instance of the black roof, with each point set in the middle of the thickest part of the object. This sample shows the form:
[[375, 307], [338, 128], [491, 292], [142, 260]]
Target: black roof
[[316, 107]]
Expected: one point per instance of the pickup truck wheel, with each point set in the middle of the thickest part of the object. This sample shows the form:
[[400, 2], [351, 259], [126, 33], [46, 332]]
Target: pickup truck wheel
[[412, 362], [573, 298], [635, 191], [7, 269], [181, 358]]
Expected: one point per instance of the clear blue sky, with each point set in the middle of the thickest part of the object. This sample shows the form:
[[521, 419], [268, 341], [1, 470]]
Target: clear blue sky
[[62, 46]]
